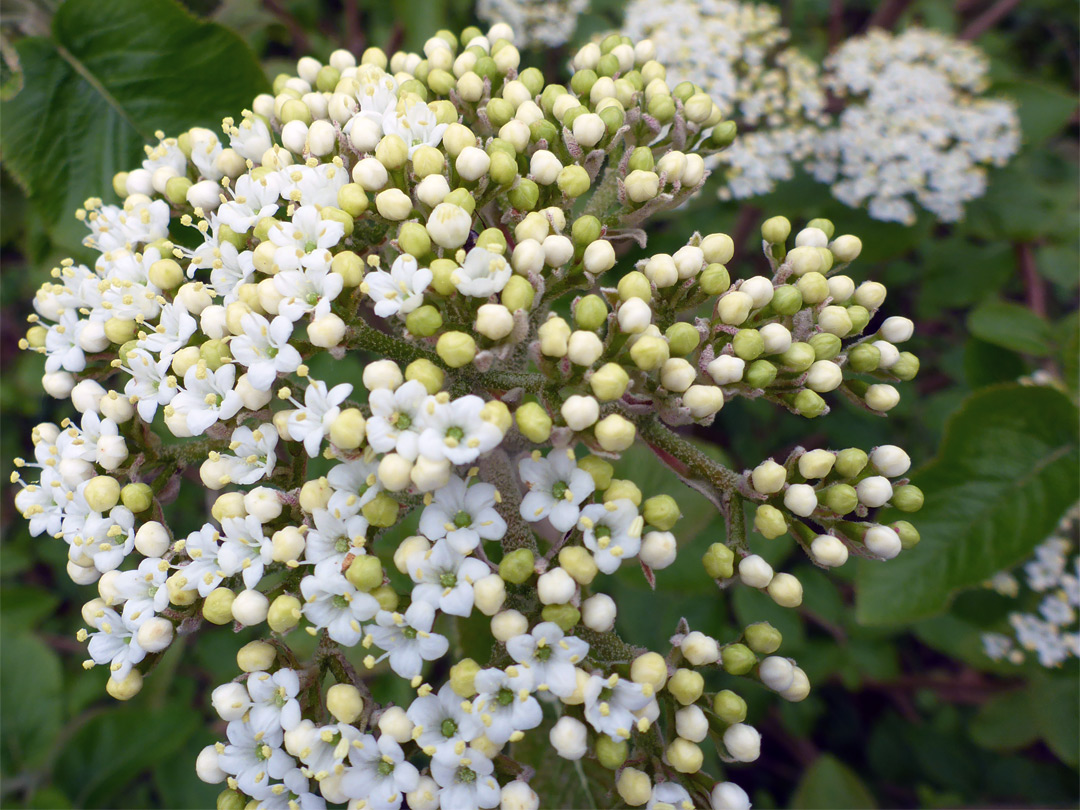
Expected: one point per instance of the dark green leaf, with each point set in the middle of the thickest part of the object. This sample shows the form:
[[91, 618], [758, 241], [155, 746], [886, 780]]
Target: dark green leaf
[[829, 784], [1011, 326], [1006, 472], [1055, 701], [110, 76], [1004, 724], [30, 702], [1044, 110]]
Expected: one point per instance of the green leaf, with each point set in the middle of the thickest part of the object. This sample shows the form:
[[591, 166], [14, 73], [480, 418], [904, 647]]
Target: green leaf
[[1004, 724], [30, 702], [828, 784], [1011, 326], [95, 91], [1055, 701], [1006, 472], [1044, 110], [1058, 263]]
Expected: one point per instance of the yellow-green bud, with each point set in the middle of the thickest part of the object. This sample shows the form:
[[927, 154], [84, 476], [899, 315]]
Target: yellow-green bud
[[649, 353], [776, 230], [518, 294], [763, 638], [906, 367], [492, 240], [590, 312], [517, 566], [166, 274], [614, 433], [427, 373], [120, 330], [908, 498], [635, 285], [719, 561], [456, 349], [808, 403], [600, 470], [230, 800], [621, 488], [864, 358], [611, 753], [386, 596], [851, 462], [349, 266], [578, 563], [737, 659], [585, 230], [348, 430], [524, 195], [760, 374], [682, 338], [661, 511], [424, 321], [813, 287], [365, 572], [256, 656], [217, 609], [284, 613], [566, 616], [295, 110], [533, 422], [504, 170], [344, 702], [723, 134], [573, 181], [799, 356], [748, 344], [215, 353], [137, 497], [685, 756], [729, 707], [331, 214], [840, 498], [825, 346], [609, 382], [686, 685], [102, 493], [392, 152], [909, 535], [176, 190], [714, 279], [381, 511], [770, 521]]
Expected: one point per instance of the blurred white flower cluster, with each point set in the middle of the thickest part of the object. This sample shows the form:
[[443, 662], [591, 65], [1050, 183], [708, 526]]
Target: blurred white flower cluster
[[536, 23], [1051, 632], [915, 129], [433, 212]]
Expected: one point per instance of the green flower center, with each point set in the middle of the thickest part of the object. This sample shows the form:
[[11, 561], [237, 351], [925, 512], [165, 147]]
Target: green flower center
[[466, 775], [339, 601], [558, 490], [543, 653], [312, 299], [448, 728], [606, 693], [602, 531], [385, 768], [448, 580], [341, 545], [505, 697], [455, 433], [463, 519], [272, 352], [402, 421], [309, 246], [408, 632]]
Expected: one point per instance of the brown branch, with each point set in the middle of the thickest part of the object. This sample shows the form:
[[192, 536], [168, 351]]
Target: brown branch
[[888, 14], [297, 33], [988, 19], [1034, 286], [836, 22], [354, 31]]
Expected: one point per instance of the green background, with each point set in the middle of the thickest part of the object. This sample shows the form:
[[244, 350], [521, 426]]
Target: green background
[[906, 710]]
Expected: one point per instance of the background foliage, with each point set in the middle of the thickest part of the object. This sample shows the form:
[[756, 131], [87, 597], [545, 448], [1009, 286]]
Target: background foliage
[[906, 709]]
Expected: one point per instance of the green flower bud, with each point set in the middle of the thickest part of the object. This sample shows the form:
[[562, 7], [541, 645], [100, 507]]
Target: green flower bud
[[683, 91], [840, 498], [686, 686], [641, 159], [517, 566], [415, 86], [635, 285], [770, 521], [533, 79], [859, 316], [864, 358], [493, 240], [120, 330], [486, 68], [549, 96], [566, 616], [413, 239], [748, 344], [723, 134], [649, 353], [585, 230], [349, 266], [909, 535], [714, 279], [462, 677], [462, 198], [582, 82], [284, 613], [365, 572], [662, 108], [456, 349], [851, 462], [176, 190], [571, 115], [809, 404], [906, 367], [908, 498], [352, 199], [609, 382], [737, 659], [503, 169], [215, 353], [441, 81], [217, 607], [787, 300], [386, 596], [392, 152], [543, 130], [533, 422], [590, 312], [682, 338], [719, 561], [524, 195], [661, 511], [776, 230], [729, 707], [427, 373], [600, 470], [573, 181], [825, 345], [763, 638], [825, 225], [608, 64], [295, 110], [518, 294], [813, 287], [424, 321], [611, 753], [381, 511], [760, 374], [620, 488], [613, 118], [140, 497], [230, 800]]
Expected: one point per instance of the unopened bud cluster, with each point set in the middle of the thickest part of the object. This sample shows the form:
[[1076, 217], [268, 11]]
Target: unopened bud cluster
[[428, 210]]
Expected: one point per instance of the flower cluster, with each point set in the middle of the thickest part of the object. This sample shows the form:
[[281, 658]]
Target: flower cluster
[[915, 128], [431, 211], [1050, 632], [536, 23], [738, 53]]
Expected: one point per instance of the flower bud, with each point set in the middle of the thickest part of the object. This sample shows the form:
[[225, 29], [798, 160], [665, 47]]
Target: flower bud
[[599, 257], [127, 688], [699, 649], [649, 668], [554, 335], [743, 742], [718, 561], [686, 686], [755, 572], [393, 204], [896, 329], [250, 607], [509, 623], [786, 590], [598, 613], [684, 756], [569, 738], [829, 551], [768, 477], [634, 786], [456, 349], [394, 723], [881, 397], [517, 566], [770, 521], [777, 673], [615, 433], [658, 550], [489, 594], [649, 353], [533, 422], [555, 587], [734, 307], [344, 702], [801, 499], [155, 634], [102, 493], [736, 659], [883, 542]]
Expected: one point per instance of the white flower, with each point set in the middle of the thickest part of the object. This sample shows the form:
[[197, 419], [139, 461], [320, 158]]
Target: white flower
[[62, 347], [397, 418], [463, 515], [556, 489], [254, 455], [311, 422], [355, 483], [401, 290], [175, 327], [273, 699], [253, 754], [313, 186], [612, 532], [550, 656], [466, 780], [441, 721], [445, 578], [207, 396], [416, 125], [611, 702], [482, 275], [229, 270], [244, 548], [309, 290], [143, 590], [332, 602], [252, 201], [379, 775], [335, 537], [251, 138], [306, 235], [456, 430], [203, 573], [115, 644], [504, 702], [150, 383], [100, 540], [264, 349], [408, 639], [669, 795]]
